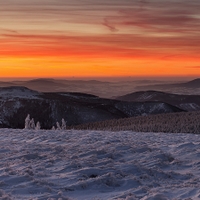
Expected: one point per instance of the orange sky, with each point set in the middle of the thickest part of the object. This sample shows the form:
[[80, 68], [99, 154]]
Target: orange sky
[[106, 38]]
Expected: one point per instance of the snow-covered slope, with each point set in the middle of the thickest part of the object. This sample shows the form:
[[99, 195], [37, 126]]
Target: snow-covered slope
[[188, 88], [18, 92], [89, 165], [75, 108], [185, 102]]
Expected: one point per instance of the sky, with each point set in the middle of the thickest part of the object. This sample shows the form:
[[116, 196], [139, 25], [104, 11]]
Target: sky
[[99, 38]]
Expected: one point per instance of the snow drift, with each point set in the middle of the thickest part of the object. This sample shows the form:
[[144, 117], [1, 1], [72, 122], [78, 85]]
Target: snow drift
[[98, 165]]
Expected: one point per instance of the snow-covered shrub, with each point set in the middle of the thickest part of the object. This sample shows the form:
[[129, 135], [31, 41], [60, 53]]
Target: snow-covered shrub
[[58, 126], [27, 122], [63, 124], [62, 127], [30, 123], [38, 127]]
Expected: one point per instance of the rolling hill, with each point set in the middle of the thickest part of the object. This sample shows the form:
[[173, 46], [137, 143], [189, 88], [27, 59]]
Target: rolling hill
[[106, 89], [187, 122], [75, 108], [185, 102], [190, 87]]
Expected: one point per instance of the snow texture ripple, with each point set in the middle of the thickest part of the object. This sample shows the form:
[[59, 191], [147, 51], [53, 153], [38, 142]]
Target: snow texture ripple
[[97, 165]]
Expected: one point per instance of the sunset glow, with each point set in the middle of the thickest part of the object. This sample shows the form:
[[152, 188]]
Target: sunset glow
[[99, 38]]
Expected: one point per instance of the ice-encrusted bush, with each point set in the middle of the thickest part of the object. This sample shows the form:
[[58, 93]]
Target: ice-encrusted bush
[[58, 126], [27, 122], [38, 126], [62, 127], [30, 123], [63, 124]]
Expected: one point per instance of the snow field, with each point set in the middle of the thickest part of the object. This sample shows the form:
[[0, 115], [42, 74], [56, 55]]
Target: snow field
[[97, 165]]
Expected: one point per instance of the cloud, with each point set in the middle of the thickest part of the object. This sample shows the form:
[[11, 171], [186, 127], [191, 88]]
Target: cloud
[[7, 31], [137, 28], [109, 25], [161, 19], [154, 15], [193, 67], [104, 46], [159, 16]]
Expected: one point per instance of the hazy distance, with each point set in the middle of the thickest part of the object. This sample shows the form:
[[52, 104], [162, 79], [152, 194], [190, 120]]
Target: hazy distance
[[108, 87], [108, 79]]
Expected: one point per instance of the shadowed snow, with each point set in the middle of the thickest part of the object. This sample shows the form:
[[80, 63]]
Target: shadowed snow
[[18, 92], [98, 165]]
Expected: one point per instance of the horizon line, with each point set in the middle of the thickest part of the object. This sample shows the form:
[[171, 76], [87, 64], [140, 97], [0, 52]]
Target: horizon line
[[104, 78]]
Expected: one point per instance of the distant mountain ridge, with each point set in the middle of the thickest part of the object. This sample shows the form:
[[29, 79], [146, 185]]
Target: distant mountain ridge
[[106, 89], [185, 102], [95, 87], [191, 87], [193, 84], [75, 108]]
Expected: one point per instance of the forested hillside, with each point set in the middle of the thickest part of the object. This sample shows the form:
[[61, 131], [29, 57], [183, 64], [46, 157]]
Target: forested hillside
[[188, 122]]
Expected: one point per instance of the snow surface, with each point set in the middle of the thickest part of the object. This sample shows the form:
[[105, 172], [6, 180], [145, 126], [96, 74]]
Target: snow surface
[[97, 165], [18, 92], [190, 106]]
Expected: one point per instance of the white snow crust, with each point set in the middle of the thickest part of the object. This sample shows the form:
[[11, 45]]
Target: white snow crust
[[18, 92], [97, 165]]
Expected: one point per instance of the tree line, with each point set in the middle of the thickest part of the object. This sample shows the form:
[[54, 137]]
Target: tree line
[[184, 122]]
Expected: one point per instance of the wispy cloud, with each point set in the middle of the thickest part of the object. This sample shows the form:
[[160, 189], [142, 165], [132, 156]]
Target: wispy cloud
[[110, 45], [193, 67], [109, 25], [163, 16], [139, 27], [155, 15]]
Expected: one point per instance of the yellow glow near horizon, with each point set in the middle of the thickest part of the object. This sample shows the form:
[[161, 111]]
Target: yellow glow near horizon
[[99, 39], [62, 67]]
